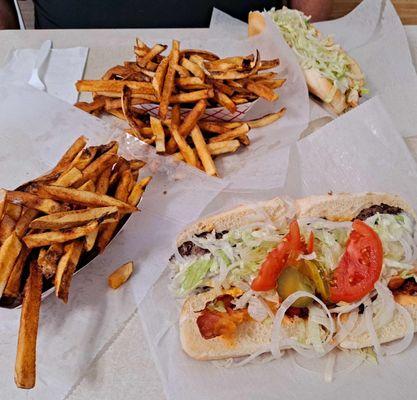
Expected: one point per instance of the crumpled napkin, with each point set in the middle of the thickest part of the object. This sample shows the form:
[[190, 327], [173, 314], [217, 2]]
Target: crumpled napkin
[[61, 70]]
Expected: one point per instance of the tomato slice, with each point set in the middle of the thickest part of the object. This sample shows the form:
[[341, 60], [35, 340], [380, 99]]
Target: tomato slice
[[360, 266], [286, 253], [310, 246]]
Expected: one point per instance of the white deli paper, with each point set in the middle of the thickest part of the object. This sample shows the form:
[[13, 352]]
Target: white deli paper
[[71, 336], [360, 151], [61, 70], [372, 34]]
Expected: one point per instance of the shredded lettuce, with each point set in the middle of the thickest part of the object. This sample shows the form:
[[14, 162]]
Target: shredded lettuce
[[195, 274], [316, 52]]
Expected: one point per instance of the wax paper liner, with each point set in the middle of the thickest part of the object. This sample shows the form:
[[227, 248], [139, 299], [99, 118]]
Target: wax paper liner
[[71, 336], [360, 151]]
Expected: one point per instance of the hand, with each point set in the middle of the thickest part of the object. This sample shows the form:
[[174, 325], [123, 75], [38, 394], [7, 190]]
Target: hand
[[8, 16], [318, 9]]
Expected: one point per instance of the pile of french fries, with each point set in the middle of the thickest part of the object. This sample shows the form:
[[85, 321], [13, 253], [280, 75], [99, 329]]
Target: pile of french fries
[[56, 223], [187, 79]]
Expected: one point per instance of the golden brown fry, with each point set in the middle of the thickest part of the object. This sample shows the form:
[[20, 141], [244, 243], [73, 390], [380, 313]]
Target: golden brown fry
[[48, 259], [203, 152], [113, 86], [186, 151], [84, 158], [158, 131], [9, 251], [103, 182], [269, 64], [7, 226], [159, 78], [193, 68], [222, 87], [244, 139], [136, 165], [137, 191], [25, 369], [191, 83], [157, 49], [224, 100], [234, 74], [30, 200], [205, 54], [228, 146], [192, 97], [272, 84], [169, 80], [12, 289], [216, 127], [74, 218], [88, 186], [262, 91], [122, 190], [2, 202], [182, 72], [120, 275], [69, 178], [13, 211], [86, 198], [232, 134], [24, 221], [134, 123], [190, 121], [96, 105], [66, 268], [93, 171], [47, 238], [267, 119]]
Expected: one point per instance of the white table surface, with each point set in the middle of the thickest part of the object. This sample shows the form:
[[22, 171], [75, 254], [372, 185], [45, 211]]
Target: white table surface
[[125, 369]]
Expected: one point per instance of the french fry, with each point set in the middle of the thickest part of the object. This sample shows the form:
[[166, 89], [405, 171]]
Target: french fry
[[232, 134], [186, 151], [2, 202], [90, 240], [9, 251], [136, 165], [227, 146], [159, 77], [66, 268], [7, 226], [24, 221], [267, 119], [192, 97], [12, 289], [191, 83], [103, 182], [215, 127], [113, 86], [137, 191], [204, 54], [74, 218], [13, 211], [30, 200], [193, 68], [25, 369], [47, 238], [95, 105], [158, 131], [86, 198], [169, 80], [88, 186], [203, 152], [157, 49], [84, 158], [69, 178], [97, 167], [262, 91], [120, 275], [48, 259], [224, 100], [190, 121], [182, 72]]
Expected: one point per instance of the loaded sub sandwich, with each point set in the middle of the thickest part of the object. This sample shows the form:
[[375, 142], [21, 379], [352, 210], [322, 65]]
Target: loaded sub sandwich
[[324, 272], [331, 74]]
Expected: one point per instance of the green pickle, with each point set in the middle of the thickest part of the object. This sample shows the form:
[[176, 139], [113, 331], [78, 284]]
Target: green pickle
[[316, 273], [290, 281]]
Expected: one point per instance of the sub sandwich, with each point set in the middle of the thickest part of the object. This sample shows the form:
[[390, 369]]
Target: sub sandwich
[[319, 273], [331, 74]]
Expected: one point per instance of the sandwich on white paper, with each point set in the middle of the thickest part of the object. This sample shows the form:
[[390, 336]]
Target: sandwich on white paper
[[311, 275]]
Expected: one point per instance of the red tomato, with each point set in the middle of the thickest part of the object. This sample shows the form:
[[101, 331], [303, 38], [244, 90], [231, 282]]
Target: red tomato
[[360, 266], [286, 253], [310, 246]]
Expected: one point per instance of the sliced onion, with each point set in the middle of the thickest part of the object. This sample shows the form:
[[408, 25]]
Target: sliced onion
[[386, 306], [257, 309], [368, 315], [329, 368], [279, 316], [319, 223], [310, 256], [402, 344]]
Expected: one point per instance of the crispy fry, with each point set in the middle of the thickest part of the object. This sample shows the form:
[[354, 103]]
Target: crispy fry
[[13, 211], [222, 87], [136, 165], [66, 268], [159, 78], [69, 178], [9, 251], [203, 152], [185, 149], [84, 158], [88, 186], [192, 97], [96, 105], [234, 74], [216, 127], [30, 200], [228, 146], [74, 218], [94, 170], [12, 289], [262, 91], [267, 119], [103, 182], [157, 49], [158, 131], [137, 191], [120, 275], [206, 55], [113, 86], [2, 202], [86, 198], [7, 226], [47, 238], [24, 221], [190, 121], [48, 259], [25, 369], [193, 68], [269, 64], [191, 83], [182, 72], [225, 101], [232, 134], [169, 80], [134, 123]]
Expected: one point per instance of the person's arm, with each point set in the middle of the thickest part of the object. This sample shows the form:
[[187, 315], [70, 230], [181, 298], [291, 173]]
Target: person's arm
[[8, 15], [318, 9]]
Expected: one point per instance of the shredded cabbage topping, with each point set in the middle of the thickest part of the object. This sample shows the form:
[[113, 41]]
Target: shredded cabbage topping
[[234, 260], [319, 53]]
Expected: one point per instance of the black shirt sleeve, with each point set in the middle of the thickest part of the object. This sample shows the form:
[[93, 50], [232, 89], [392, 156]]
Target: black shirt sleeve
[[84, 14]]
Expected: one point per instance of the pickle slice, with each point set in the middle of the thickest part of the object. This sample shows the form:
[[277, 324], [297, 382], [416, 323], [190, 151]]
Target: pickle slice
[[316, 273], [291, 281]]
